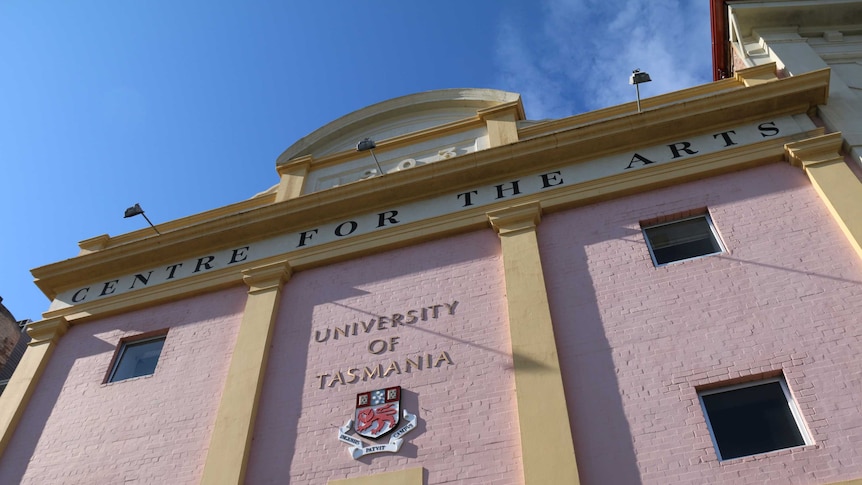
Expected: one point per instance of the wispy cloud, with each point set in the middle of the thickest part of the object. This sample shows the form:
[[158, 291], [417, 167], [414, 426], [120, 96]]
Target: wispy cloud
[[582, 58]]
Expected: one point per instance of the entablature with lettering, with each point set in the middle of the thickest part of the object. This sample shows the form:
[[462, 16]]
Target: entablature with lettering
[[695, 137]]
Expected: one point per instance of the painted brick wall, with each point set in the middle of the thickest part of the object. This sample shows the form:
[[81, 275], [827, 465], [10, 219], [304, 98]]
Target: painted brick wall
[[467, 429], [636, 341], [153, 429]]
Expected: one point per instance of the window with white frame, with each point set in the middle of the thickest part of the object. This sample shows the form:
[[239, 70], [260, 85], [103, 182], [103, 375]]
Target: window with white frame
[[752, 418], [682, 239], [136, 356]]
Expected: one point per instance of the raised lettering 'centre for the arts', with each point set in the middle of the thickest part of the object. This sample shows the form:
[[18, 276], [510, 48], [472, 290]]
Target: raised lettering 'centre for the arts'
[[382, 343], [450, 203]]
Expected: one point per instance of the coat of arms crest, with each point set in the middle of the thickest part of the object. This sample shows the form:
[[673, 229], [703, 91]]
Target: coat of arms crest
[[377, 414]]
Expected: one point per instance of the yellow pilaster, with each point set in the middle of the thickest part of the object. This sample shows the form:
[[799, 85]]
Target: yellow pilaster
[[45, 335], [546, 438], [230, 444], [837, 185], [292, 178]]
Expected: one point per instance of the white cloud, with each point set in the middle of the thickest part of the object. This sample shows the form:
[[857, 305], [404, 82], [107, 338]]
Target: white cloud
[[521, 72], [583, 56]]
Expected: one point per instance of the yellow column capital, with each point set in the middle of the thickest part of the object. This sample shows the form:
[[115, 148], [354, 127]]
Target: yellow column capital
[[753, 76], [266, 278], [516, 219], [46, 331], [814, 151]]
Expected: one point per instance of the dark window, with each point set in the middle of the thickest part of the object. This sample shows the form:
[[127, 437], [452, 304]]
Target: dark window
[[680, 240], [753, 418], [136, 357]]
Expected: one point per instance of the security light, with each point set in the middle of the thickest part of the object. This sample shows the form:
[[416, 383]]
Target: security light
[[637, 78], [368, 144], [136, 210]]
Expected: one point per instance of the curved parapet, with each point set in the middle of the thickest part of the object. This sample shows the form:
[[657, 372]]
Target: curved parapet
[[409, 131], [395, 117]]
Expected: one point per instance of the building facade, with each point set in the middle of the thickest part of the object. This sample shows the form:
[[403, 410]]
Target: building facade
[[13, 342], [798, 36], [668, 296]]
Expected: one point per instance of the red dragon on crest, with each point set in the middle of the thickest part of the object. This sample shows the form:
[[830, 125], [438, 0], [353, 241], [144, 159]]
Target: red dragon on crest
[[382, 416]]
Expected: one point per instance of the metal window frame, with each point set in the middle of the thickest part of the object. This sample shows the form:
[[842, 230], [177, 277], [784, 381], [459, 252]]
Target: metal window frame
[[788, 397], [712, 230], [126, 342]]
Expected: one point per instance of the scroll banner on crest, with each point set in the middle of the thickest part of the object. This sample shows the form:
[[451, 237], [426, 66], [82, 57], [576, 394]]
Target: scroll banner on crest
[[359, 448]]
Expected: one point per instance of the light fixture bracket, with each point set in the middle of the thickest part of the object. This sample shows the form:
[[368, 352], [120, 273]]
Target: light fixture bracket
[[137, 210]]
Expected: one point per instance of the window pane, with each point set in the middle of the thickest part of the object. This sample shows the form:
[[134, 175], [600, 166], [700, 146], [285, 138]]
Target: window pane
[[681, 240], [138, 359], [688, 250], [752, 420]]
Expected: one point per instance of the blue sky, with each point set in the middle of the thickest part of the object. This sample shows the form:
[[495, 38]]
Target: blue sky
[[184, 106]]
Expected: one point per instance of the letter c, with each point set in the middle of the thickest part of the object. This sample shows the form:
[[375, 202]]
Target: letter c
[[75, 297]]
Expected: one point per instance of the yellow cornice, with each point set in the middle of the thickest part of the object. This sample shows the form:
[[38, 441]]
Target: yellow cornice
[[105, 241], [738, 158], [742, 79], [93, 244], [756, 75], [241, 224], [627, 109], [515, 107], [304, 161]]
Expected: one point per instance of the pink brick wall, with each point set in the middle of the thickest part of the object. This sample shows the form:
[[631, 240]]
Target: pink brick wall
[[152, 429], [467, 429], [635, 341]]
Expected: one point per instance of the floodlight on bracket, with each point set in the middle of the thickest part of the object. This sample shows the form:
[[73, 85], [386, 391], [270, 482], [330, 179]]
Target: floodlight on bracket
[[637, 78], [369, 145], [136, 210]]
